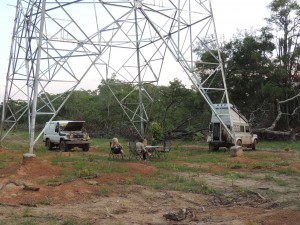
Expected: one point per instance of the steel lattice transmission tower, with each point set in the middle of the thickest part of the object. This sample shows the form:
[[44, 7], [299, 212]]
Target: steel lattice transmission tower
[[57, 44]]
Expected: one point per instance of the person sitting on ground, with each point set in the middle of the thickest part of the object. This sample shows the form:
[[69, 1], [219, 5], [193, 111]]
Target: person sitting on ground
[[140, 148], [116, 147]]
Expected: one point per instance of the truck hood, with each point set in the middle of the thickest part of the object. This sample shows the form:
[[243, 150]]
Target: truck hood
[[74, 126]]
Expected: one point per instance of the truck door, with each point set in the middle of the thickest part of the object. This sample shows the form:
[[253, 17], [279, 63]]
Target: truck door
[[247, 136], [216, 132]]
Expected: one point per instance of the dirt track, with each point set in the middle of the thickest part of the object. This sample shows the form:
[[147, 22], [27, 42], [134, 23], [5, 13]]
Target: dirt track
[[87, 201]]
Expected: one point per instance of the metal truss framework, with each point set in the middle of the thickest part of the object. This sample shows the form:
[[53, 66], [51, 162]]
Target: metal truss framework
[[57, 44]]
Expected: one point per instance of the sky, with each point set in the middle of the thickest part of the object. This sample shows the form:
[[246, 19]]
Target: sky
[[230, 17]]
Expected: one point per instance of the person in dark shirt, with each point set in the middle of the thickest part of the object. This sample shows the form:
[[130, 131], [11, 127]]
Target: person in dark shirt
[[116, 147]]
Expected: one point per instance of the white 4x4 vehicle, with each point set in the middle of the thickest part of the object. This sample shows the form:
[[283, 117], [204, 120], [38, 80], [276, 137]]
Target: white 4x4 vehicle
[[66, 135], [218, 136]]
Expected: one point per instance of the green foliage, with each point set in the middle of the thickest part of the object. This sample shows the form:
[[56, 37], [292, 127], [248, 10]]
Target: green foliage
[[157, 131], [103, 191], [198, 136]]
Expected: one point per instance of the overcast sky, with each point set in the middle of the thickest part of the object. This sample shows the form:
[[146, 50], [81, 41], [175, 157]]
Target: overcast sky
[[230, 16]]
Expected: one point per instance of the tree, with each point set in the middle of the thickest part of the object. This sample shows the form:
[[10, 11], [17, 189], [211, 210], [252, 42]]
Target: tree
[[285, 22], [248, 69]]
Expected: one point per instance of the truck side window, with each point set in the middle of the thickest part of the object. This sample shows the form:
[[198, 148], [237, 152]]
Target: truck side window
[[247, 129], [57, 128]]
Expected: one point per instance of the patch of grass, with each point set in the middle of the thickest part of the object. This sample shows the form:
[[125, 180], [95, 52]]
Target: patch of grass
[[261, 155], [281, 182], [297, 205], [86, 173], [282, 163], [26, 212], [176, 167], [45, 201], [7, 159], [30, 221], [207, 158], [234, 176], [250, 223], [69, 177], [76, 221], [245, 191], [158, 186], [168, 181], [278, 181], [221, 173], [261, 165], [56, 160], [287, 148], [103, 191], [138, 179], [19, 140], [190, 185], [83, 166], [233, 165], [53, 179], [280, 145], [269, 178], [288, 171]]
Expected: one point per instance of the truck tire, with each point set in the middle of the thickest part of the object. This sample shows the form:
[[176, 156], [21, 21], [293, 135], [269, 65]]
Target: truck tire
[[63, 146], [86, 147], [239, 142], [49, 144], [211, 147], [254, 145]]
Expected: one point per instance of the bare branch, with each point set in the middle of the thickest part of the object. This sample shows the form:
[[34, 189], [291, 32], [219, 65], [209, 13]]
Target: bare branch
[[280, 113]]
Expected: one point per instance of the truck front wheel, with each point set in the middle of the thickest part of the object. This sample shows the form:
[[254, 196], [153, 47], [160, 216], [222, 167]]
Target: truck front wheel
[[254, 145], [86, 147], [63, 146]]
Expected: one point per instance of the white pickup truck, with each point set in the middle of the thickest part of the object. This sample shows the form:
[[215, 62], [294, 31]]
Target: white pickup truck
[[219, 137], [66, 135]]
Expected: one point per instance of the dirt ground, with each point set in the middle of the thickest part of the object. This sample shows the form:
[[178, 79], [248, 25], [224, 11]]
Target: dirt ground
[[24, 197]]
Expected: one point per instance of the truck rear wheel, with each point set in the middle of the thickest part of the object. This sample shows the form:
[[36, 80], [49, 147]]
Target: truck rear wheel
[[211, 147], [49, 144]]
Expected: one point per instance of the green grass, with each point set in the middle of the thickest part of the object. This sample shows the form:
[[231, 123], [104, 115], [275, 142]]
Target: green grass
[[278, 181], [261, 165], [103, 191], [261, 155], [288, 171], [279, 145], [168, 181], [170, 170], [7, 159]]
